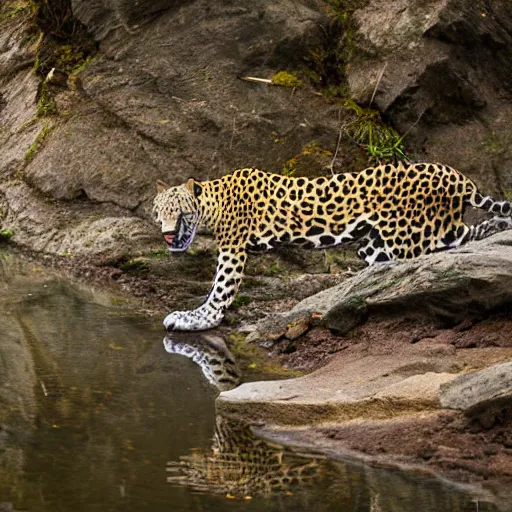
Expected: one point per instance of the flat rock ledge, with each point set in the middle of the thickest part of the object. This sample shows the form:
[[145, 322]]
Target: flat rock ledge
[[445, 288], [372, 387]]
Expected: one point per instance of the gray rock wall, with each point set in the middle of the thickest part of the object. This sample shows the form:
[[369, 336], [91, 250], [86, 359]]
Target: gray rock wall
[[446, 74], [162, 99]]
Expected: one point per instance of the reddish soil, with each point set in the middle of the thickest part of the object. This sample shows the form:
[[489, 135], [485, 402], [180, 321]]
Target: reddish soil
[[394, 336], [445, 441]]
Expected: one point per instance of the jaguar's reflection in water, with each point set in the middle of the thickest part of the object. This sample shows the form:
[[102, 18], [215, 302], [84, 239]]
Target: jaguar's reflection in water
[[210, 353], [240, 464]]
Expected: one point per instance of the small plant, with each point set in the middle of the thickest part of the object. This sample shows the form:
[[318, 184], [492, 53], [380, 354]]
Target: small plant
[[75, 72], [286, 79], [68, 58], [313, 148], [289, 167], [368, 131], [6, 235], [46, 104], [273, 269]]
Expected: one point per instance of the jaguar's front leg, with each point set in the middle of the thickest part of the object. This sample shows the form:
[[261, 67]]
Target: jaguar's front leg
[[227, 280]]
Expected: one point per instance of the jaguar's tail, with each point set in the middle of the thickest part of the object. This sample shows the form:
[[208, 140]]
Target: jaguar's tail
[[497, 208], [501, 220]]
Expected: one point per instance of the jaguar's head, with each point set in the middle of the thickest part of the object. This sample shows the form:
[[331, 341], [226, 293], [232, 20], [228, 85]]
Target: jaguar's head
[[175, 209]]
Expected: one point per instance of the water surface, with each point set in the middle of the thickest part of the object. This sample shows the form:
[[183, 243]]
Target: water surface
[[95, 416]]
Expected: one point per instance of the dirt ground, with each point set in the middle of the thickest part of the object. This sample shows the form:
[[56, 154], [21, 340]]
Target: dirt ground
[[461, 448]]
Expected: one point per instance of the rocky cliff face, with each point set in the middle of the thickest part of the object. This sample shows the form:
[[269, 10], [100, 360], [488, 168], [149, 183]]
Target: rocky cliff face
[[162, 99], [445, 76]]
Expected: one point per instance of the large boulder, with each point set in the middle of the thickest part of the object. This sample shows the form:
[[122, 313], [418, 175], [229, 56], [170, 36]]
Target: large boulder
[[162, 99], [483, 391], [445, 288]]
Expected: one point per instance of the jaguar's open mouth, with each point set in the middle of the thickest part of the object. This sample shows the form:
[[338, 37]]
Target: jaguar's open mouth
[[181, 237]]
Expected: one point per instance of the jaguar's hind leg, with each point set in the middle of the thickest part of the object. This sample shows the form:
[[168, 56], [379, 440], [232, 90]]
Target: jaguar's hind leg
[[373, 249]]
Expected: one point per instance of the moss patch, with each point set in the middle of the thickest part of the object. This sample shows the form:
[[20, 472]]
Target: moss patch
[[6, 235], [241, 300], [313, 160], [39, 141], [286, 79], [254, 361], [46, 104], [12, 9]]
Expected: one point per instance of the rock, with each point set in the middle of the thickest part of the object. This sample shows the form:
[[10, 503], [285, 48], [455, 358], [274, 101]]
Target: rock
[[453, 89], [298, 327], [345, 389], [445, 288], [425, 385], [279, 325], [478, 391], [162, 101]]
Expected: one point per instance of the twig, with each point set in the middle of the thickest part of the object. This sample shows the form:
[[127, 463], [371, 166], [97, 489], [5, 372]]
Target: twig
[[342, 125], [232, 134], [379, 79], [43, 387], [255, 79], [413, 125]]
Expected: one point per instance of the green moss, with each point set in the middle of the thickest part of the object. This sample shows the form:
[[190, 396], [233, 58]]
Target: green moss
[[356, 302], [312, 160], [11, 9], [254, 361], [369, 132], [6, 235], [46, 105], [159, 254], [241, 300], [494, 143], [68, 58], [75, 72], [289, 167], [286, 79], [38, 142]]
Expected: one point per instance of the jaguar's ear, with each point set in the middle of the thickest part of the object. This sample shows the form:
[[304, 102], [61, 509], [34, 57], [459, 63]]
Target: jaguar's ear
[[194, 187], [161, 186]]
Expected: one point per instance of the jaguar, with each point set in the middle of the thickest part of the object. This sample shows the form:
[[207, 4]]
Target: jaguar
[[395, 212]]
